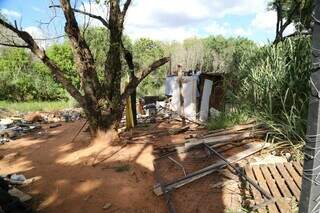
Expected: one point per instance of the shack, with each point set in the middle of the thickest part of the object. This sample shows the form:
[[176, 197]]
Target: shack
[[192, 94]]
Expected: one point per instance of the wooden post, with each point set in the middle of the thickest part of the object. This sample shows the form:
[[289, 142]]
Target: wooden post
[[310, 189], [180, 81]]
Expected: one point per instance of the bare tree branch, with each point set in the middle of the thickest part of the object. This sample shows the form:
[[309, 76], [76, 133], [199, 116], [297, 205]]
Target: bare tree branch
[[14, 45], [101, 19], [125, 8], [136, 81], [41, 54]]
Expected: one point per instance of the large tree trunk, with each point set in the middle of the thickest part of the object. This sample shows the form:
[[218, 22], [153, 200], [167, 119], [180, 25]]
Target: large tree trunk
[[102, 101]]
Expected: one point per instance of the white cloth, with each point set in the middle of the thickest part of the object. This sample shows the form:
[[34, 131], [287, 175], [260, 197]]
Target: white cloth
[[170, 81]]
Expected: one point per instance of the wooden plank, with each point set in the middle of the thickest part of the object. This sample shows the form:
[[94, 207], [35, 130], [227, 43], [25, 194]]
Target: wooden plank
[[231, 130], [262, 182], [298, 167], [204, 106], [296, 177], [194, 142], [256, 194], [280, 181], [250, 149], [288, 179], [283, 206], [301, 162]]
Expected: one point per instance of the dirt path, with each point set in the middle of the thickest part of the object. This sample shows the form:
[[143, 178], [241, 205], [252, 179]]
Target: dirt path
[[69, 182]]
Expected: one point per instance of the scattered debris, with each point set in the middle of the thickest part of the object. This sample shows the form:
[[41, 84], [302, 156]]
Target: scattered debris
[[122, 168], [155, 134], [222, 183], [231, 136], [17, 179], [281, 180], [12, 199], [107, 206], [55, 125], [14, 127], [23, 197], [268, 159], [249, 150]]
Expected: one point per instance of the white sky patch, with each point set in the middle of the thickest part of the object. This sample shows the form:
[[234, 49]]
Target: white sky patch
[[94, 8], [217, 29], [289, 30], [226, 30], [10, 13], [164, 34], [242, 32], [180, 19], [37, 9], [265, 20]]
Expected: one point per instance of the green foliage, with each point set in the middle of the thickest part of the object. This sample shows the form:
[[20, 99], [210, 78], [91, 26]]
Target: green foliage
[[272, 81], [22, 78], [228, 119], [298, 11], [219, 52], [145, 51], [62, 55], [97, 39]]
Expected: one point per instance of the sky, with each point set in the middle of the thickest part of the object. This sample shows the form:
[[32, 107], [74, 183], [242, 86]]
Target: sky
[[165, 20]]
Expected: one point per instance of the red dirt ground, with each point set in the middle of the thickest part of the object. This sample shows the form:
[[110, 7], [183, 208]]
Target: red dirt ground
[[69, 182]]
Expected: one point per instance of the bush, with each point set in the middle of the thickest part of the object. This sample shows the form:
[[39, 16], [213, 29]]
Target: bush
[[272, 82]]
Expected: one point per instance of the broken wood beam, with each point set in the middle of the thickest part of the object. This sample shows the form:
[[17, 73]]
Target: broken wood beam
[[250, 149], [160, 133], [191, 143], [234, 129]]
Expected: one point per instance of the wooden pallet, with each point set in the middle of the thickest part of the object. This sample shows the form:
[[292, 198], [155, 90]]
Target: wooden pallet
[[281, 180]]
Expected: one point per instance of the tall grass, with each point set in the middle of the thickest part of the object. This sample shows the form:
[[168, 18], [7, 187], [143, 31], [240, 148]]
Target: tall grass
[[36, 106], [272, 82]]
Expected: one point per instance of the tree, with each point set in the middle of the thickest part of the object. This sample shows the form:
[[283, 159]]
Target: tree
[[144, 52], [297, 12], [102, 99]]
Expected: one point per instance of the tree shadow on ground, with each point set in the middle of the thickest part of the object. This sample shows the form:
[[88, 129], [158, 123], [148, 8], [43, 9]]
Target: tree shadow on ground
[[69, 182]]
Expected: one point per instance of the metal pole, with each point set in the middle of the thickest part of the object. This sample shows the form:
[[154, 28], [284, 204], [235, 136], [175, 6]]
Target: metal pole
[[310, 189], [240, 172], [166, 193]]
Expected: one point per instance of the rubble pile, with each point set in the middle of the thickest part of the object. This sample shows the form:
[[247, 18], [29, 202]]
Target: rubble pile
[[11, 128], [14, 127], [65, 115]]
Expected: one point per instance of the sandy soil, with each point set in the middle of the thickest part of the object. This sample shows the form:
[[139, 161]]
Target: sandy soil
[[124, 177]]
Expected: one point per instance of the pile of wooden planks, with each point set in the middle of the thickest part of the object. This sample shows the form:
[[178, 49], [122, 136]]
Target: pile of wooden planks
[[231, 136], [217, 166], [281, 180], [218, 140]]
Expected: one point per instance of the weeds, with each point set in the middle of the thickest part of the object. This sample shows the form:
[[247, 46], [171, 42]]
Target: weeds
[[227, 119], [36, 106], [272, 83]]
